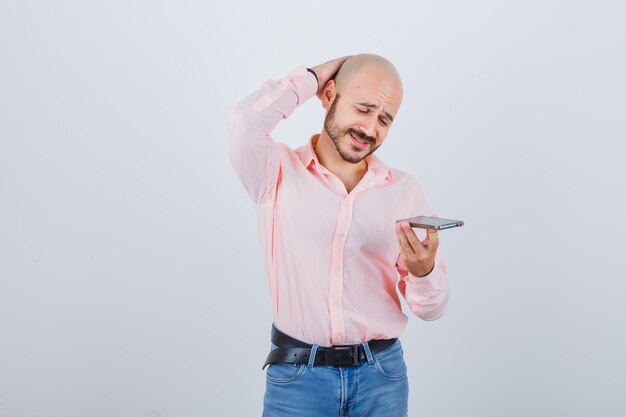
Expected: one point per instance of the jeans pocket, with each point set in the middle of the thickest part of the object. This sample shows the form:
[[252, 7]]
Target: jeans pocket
[[284, 372], [390, 362]]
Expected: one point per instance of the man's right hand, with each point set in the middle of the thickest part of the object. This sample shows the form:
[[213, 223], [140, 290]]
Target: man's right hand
[[326, 71]]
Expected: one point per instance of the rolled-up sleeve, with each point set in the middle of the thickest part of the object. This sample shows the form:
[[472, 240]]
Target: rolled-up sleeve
[[253, 152]]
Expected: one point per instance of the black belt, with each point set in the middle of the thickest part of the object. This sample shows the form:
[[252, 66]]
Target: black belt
[[296, 351]]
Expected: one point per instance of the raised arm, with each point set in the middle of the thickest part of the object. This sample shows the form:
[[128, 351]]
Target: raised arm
[[253, 152]]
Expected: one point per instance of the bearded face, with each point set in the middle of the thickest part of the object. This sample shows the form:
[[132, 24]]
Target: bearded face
[[351, 144]]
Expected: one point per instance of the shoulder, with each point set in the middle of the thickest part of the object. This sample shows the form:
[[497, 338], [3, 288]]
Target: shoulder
[[406, 181]]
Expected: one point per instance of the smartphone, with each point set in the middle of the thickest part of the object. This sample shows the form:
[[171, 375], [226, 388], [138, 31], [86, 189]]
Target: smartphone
[[437, 223]]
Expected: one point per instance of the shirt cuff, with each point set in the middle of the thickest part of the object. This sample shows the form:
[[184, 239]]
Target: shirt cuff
[[313, 72], [305, 83], [421, 284]]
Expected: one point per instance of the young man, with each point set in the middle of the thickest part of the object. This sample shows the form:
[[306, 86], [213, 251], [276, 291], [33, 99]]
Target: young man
[[333, 250]]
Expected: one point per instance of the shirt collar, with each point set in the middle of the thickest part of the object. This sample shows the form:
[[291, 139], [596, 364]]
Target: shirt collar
[[307, 156]]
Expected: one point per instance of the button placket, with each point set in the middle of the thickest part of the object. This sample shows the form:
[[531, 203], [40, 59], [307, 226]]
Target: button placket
[[336, 283]]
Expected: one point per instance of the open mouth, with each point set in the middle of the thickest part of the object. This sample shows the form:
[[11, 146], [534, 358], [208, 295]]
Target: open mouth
[[359, 142]]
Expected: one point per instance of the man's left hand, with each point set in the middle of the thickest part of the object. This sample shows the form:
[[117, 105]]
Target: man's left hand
[[418, 255]]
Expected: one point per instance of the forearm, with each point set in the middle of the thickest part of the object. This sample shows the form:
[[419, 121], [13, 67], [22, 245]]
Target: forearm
[[428, 296]]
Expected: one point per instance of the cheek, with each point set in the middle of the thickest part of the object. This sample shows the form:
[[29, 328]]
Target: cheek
[[343, 119], [343, 126]]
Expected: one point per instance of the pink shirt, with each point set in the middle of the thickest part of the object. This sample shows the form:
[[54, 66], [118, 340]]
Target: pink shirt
[[332, 259]]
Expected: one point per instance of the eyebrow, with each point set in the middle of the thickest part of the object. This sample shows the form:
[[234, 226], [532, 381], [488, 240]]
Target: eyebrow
[[374, 106]]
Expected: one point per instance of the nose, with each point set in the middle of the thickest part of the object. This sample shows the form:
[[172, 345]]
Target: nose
[[368, 127]]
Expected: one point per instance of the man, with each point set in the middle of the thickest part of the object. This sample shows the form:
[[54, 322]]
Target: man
[[333, 250]]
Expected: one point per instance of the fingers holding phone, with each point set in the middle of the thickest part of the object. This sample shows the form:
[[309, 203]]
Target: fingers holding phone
[[432, 233], [418, 255]]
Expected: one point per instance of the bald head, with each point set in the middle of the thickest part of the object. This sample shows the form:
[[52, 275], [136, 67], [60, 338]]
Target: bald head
[[369, 68], [362, 102]]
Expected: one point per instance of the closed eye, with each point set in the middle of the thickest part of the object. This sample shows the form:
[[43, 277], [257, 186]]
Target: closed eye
[[367, 111]]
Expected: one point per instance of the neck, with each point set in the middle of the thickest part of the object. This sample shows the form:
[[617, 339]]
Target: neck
[[328, 156]]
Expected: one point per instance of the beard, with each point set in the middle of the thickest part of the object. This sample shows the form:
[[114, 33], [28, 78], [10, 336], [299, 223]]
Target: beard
[[350, 152]]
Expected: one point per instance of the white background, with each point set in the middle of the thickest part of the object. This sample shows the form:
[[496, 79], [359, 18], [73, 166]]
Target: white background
[[131, 278]]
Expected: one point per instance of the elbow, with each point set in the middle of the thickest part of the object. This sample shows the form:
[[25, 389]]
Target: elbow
[[431, 315], [238, 132], [233, 118]]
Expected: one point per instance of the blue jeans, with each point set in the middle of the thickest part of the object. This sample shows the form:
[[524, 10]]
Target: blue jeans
[[378, 387]]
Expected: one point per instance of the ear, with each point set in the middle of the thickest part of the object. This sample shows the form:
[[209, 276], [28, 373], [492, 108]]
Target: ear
[[328, 94]]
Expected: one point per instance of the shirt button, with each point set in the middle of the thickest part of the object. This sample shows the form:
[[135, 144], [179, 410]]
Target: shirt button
[[340, 235], [336, 269]]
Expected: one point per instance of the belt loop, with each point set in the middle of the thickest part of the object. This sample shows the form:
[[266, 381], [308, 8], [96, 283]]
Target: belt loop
[[368, 353], [312, 355]]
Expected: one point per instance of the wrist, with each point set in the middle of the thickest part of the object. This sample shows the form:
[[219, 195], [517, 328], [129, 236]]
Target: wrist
[[313, 72], [426, 274]]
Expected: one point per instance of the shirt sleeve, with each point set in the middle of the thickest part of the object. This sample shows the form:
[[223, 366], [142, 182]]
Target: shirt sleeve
[[426, 296], [253, 152]]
